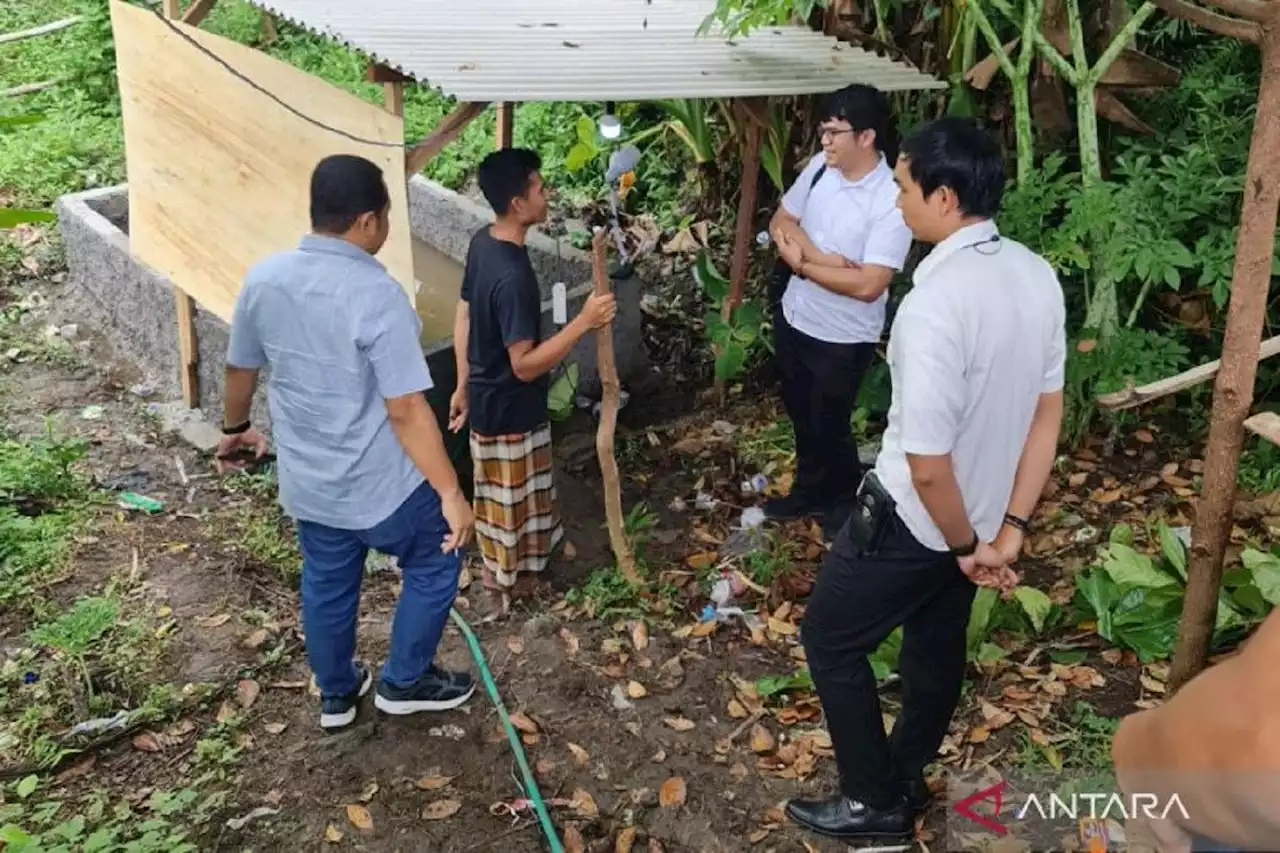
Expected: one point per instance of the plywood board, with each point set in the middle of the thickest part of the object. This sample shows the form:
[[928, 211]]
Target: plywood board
[[219, 173]]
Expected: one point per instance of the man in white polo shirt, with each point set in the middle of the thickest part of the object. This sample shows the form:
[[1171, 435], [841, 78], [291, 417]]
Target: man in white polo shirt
[[976, 359], [841, 234]]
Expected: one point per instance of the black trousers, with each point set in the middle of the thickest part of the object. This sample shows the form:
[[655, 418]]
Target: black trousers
[[820, 383], [860, 597]]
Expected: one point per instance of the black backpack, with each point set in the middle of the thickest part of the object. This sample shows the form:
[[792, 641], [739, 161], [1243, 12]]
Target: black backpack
[[782, 272]]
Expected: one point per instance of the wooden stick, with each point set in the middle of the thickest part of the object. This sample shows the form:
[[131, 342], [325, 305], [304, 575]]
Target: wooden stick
[[1134, 396], [198, 12], [1266, 425], [607, 366], [746, 208], [42, 30], [505, 125], [449, 128], [28, 88], [184, 305]]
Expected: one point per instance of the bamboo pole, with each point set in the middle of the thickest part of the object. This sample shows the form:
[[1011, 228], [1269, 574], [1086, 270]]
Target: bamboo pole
[[607, 366], [42, 30]]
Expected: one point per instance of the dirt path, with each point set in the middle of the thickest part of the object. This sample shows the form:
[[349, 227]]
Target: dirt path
[[629, 729]]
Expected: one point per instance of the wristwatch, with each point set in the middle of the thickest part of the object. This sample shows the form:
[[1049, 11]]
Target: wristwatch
[[966, 550]]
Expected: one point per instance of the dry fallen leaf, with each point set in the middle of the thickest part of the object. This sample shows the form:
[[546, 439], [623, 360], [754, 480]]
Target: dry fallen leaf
[[759, 835], [672, 792], [979, 734], [1112, 656], [275, 728], [226, 711], [625, 841], [213, 621], [359, 817], [146, 742], [332, 834], [995, 717], [434, 782], [573, 841], [584, 804], [640, 636], [370, 791], [580, 755], [705, 629], [524, 724], [1151, 684], [247, 691], [515, 645], [636, 690], [762, 740], [1144, 436], [441, 809], [256, 640], [659, 756], [570, 641], [680, 724]]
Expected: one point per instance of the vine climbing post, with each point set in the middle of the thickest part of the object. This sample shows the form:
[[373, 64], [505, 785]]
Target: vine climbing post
[[1256, 21], [611, 399]]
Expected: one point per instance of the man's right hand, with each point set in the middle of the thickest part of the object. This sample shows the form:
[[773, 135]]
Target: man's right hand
[[457, 514], [458, 409], [599, 310]]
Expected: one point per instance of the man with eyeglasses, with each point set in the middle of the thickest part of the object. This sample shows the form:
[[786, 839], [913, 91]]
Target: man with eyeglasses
[[840, 238]]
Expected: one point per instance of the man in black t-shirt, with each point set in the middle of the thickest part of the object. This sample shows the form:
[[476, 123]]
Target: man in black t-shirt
[[503, 365]]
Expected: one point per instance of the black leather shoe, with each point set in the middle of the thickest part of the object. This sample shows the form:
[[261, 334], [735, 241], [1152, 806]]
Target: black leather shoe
[[919, 797], [792, 506], [841, 817]]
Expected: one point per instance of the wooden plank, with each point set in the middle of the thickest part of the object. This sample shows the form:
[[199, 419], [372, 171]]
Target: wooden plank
[[198, 12], [505, 126], [173, 9], [449, 129], [1136, 395], [42, 30], [1265, 424], [377, 73], [393, 98], [219, 173]]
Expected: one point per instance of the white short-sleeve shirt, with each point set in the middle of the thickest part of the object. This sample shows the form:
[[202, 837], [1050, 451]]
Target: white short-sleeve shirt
[[974, 344], [859, 220]]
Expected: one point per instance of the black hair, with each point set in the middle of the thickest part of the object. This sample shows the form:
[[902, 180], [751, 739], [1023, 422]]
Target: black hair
[[343, 187], [955, 152], [506, 175], [865, 108]]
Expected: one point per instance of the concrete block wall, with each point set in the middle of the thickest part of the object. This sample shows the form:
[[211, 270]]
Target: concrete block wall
[[134, 305]]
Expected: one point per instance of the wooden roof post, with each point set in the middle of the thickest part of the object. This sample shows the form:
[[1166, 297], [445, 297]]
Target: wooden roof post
[[392, 86], [753, 112], [449, 129], [505, 125], [184, 305]]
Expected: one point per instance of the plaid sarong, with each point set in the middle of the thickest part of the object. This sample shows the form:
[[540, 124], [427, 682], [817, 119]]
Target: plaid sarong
[[517, 527]]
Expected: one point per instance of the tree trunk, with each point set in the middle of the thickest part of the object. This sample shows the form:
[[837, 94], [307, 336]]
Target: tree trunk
[[608, 369], [1233, 389]]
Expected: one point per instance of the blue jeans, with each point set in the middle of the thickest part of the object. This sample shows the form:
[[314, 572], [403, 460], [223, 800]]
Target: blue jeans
[[332, 568]]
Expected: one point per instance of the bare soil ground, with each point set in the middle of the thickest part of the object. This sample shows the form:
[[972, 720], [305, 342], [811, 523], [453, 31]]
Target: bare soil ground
[[652, 740]]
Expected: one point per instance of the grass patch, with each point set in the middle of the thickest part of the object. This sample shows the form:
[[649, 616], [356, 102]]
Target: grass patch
[[262, 531], [43, 501]]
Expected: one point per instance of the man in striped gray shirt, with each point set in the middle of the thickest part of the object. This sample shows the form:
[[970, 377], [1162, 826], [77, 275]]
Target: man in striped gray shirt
[[362, 464]]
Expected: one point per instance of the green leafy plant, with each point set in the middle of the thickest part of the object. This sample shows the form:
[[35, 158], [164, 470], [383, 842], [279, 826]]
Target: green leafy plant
[[560, 395], [737, 338], [74, 634], [1135, 599], [10, 216], [587, 148]]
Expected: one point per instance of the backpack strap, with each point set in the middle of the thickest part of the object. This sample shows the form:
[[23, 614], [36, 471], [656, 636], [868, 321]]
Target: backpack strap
[[817, 176]]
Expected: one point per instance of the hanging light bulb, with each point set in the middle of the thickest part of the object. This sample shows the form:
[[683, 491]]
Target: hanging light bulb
[[610, 126]]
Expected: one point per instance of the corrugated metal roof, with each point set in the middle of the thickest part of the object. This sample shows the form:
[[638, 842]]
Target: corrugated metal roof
[[590, 50]]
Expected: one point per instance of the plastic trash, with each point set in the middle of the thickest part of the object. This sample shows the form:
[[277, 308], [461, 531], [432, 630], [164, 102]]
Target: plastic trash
[[752, 517], [755, 485], [92, 413], [142, 503], [101, 724], [704, 501]]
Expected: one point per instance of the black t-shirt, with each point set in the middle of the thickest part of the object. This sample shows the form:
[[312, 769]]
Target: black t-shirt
[[501, 290]]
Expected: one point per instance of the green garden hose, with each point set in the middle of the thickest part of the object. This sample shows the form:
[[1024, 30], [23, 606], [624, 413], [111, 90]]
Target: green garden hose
[[530, 786]]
